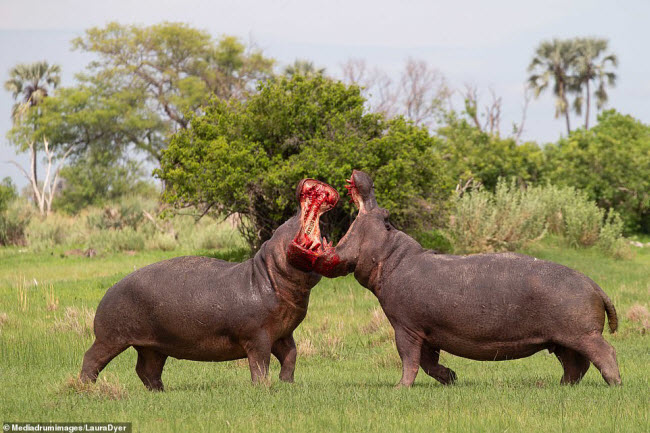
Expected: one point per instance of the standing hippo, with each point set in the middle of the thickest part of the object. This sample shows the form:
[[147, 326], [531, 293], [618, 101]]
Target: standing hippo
[[487, 307], [206, 309]]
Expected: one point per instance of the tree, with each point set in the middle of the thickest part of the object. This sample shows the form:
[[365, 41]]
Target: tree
[[45, 191], [175, 66], [611, 163], [100, 177], [29, 86], [553, 62], [474, 155], [247, 157], [303, 67], [418, 95], [99, 128], [591, 64]]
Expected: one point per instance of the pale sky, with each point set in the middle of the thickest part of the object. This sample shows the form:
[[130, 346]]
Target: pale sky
[[487, 44]]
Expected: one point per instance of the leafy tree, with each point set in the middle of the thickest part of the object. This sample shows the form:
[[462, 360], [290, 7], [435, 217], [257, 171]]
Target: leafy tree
[[471, 153], [591, 64], [100, 177], [611, 162], [247, 157], [29, 85], [175, 66], [553, 63]]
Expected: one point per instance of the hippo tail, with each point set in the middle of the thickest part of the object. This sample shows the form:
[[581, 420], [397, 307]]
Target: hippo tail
[[612, 318]]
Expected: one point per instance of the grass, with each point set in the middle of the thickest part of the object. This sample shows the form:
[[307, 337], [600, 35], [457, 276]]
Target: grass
[[346, 371]]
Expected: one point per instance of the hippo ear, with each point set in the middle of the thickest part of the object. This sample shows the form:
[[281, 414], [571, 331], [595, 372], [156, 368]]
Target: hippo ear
[[386, 215]]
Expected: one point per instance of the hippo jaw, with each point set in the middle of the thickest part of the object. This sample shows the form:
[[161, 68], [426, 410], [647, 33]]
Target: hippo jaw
[[315, 199], [360, 187]]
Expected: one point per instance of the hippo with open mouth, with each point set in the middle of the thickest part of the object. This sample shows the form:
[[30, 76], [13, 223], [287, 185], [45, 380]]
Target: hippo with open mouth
[[205, 309], [487, 307]]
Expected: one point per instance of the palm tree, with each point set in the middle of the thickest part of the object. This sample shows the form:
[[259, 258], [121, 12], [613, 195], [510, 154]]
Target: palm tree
[[554, 61], [590, 66], [29, 86], [303, 67]]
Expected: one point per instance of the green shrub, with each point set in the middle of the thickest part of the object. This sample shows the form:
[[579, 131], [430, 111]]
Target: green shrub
[[610, 163], [513, 216], [611, 239], [506, 220], [247, 157], [56, 229], [14, 220], [126, 239], [433, 240]]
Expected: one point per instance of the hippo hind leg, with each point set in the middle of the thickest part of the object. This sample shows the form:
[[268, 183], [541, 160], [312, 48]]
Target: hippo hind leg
[[97, 357], [575, 365], [149, 368], [429, 362], [596, 349]]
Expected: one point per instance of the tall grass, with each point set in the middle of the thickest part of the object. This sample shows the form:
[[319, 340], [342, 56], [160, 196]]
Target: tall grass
[[514, 216], [133, 224]]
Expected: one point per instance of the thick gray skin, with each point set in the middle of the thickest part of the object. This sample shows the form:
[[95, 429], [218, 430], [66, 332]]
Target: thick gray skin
[[483, 307], [205, 309]]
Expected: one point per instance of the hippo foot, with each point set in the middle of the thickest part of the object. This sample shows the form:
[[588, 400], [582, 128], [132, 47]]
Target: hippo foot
[[452, 377]]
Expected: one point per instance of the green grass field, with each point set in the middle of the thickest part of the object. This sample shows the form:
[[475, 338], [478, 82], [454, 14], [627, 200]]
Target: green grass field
[[346, 372]]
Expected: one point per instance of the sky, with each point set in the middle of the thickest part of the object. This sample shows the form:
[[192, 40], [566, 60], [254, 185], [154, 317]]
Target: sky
[[485, 44]]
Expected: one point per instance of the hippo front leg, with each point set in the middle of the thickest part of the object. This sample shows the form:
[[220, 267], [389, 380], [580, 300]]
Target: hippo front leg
[[258, 351], [409, 347], [285, 350]]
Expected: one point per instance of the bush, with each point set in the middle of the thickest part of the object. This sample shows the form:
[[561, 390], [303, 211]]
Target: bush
[[14, 220], [610, 163], [506, 220], [610, 238], [513, 216], [247, 158], [56, 229]]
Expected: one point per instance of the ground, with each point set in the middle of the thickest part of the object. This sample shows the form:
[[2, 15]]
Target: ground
[[346, 372]]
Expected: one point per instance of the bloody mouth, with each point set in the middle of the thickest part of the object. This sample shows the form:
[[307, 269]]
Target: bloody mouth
[[353, 192], [316, 198]]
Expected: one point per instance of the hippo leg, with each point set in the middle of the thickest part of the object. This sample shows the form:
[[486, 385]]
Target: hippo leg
[[259, 358], [409, 348], [429, 362], [595, 348], [149, 368], [96, 358], [575, 365], [285, 350]]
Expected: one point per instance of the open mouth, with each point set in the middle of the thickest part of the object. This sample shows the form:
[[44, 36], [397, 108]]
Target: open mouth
[[315, 198]]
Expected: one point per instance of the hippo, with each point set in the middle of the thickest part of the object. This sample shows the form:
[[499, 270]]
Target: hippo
[[205, 309], [487, 307]]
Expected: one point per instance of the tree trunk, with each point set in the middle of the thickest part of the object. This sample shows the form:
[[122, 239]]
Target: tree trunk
[[588, 100], [34, 159], [566, 115]]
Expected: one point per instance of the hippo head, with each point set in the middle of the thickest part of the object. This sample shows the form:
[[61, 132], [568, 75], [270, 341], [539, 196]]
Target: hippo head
[[315, 198], [362, 247]]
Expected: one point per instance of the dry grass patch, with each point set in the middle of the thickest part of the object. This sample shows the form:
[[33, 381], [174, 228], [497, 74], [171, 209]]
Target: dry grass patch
[[51, 300], [388, 359], [640, 317], [102, 389], [306, 348], [77, 320], [4, 318]]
